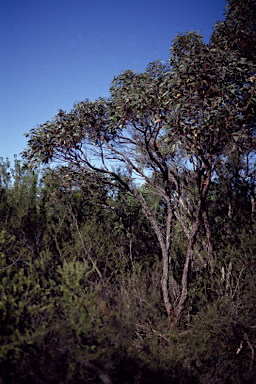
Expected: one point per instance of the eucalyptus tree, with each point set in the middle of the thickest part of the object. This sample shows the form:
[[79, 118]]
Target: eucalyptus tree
[[167, 126], [100, 135]]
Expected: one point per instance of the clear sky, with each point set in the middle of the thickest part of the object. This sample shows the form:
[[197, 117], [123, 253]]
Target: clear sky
[[57, 52]]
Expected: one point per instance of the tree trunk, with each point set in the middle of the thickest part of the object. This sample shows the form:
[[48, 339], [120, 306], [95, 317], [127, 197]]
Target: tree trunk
[[164, 245], [253, 206], [189, 255], [203, 186], [164, 281], [209, 239], [230, 210]]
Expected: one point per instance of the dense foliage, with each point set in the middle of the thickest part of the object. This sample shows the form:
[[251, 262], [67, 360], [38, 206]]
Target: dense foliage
[[133, 260]]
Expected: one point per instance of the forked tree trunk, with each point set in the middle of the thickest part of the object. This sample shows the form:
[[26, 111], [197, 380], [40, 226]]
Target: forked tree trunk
[[204, 186], [189, 255]]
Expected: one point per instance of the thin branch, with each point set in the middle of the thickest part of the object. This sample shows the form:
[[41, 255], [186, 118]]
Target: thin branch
[[10, 265], [84, 247], [251, 347]]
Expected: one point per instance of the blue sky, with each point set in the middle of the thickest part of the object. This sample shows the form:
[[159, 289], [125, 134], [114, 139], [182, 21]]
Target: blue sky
[[57, 52]]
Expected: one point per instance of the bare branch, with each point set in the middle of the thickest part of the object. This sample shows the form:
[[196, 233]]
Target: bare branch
[[83, 244], [10, 265]]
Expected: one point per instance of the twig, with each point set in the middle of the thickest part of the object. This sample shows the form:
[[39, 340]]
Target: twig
[[84, 247], [160, 335], [10, 265], [237, 284], [251, 347]]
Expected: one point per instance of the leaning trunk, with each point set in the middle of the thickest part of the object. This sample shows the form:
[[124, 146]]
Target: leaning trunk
[[164, 245]]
